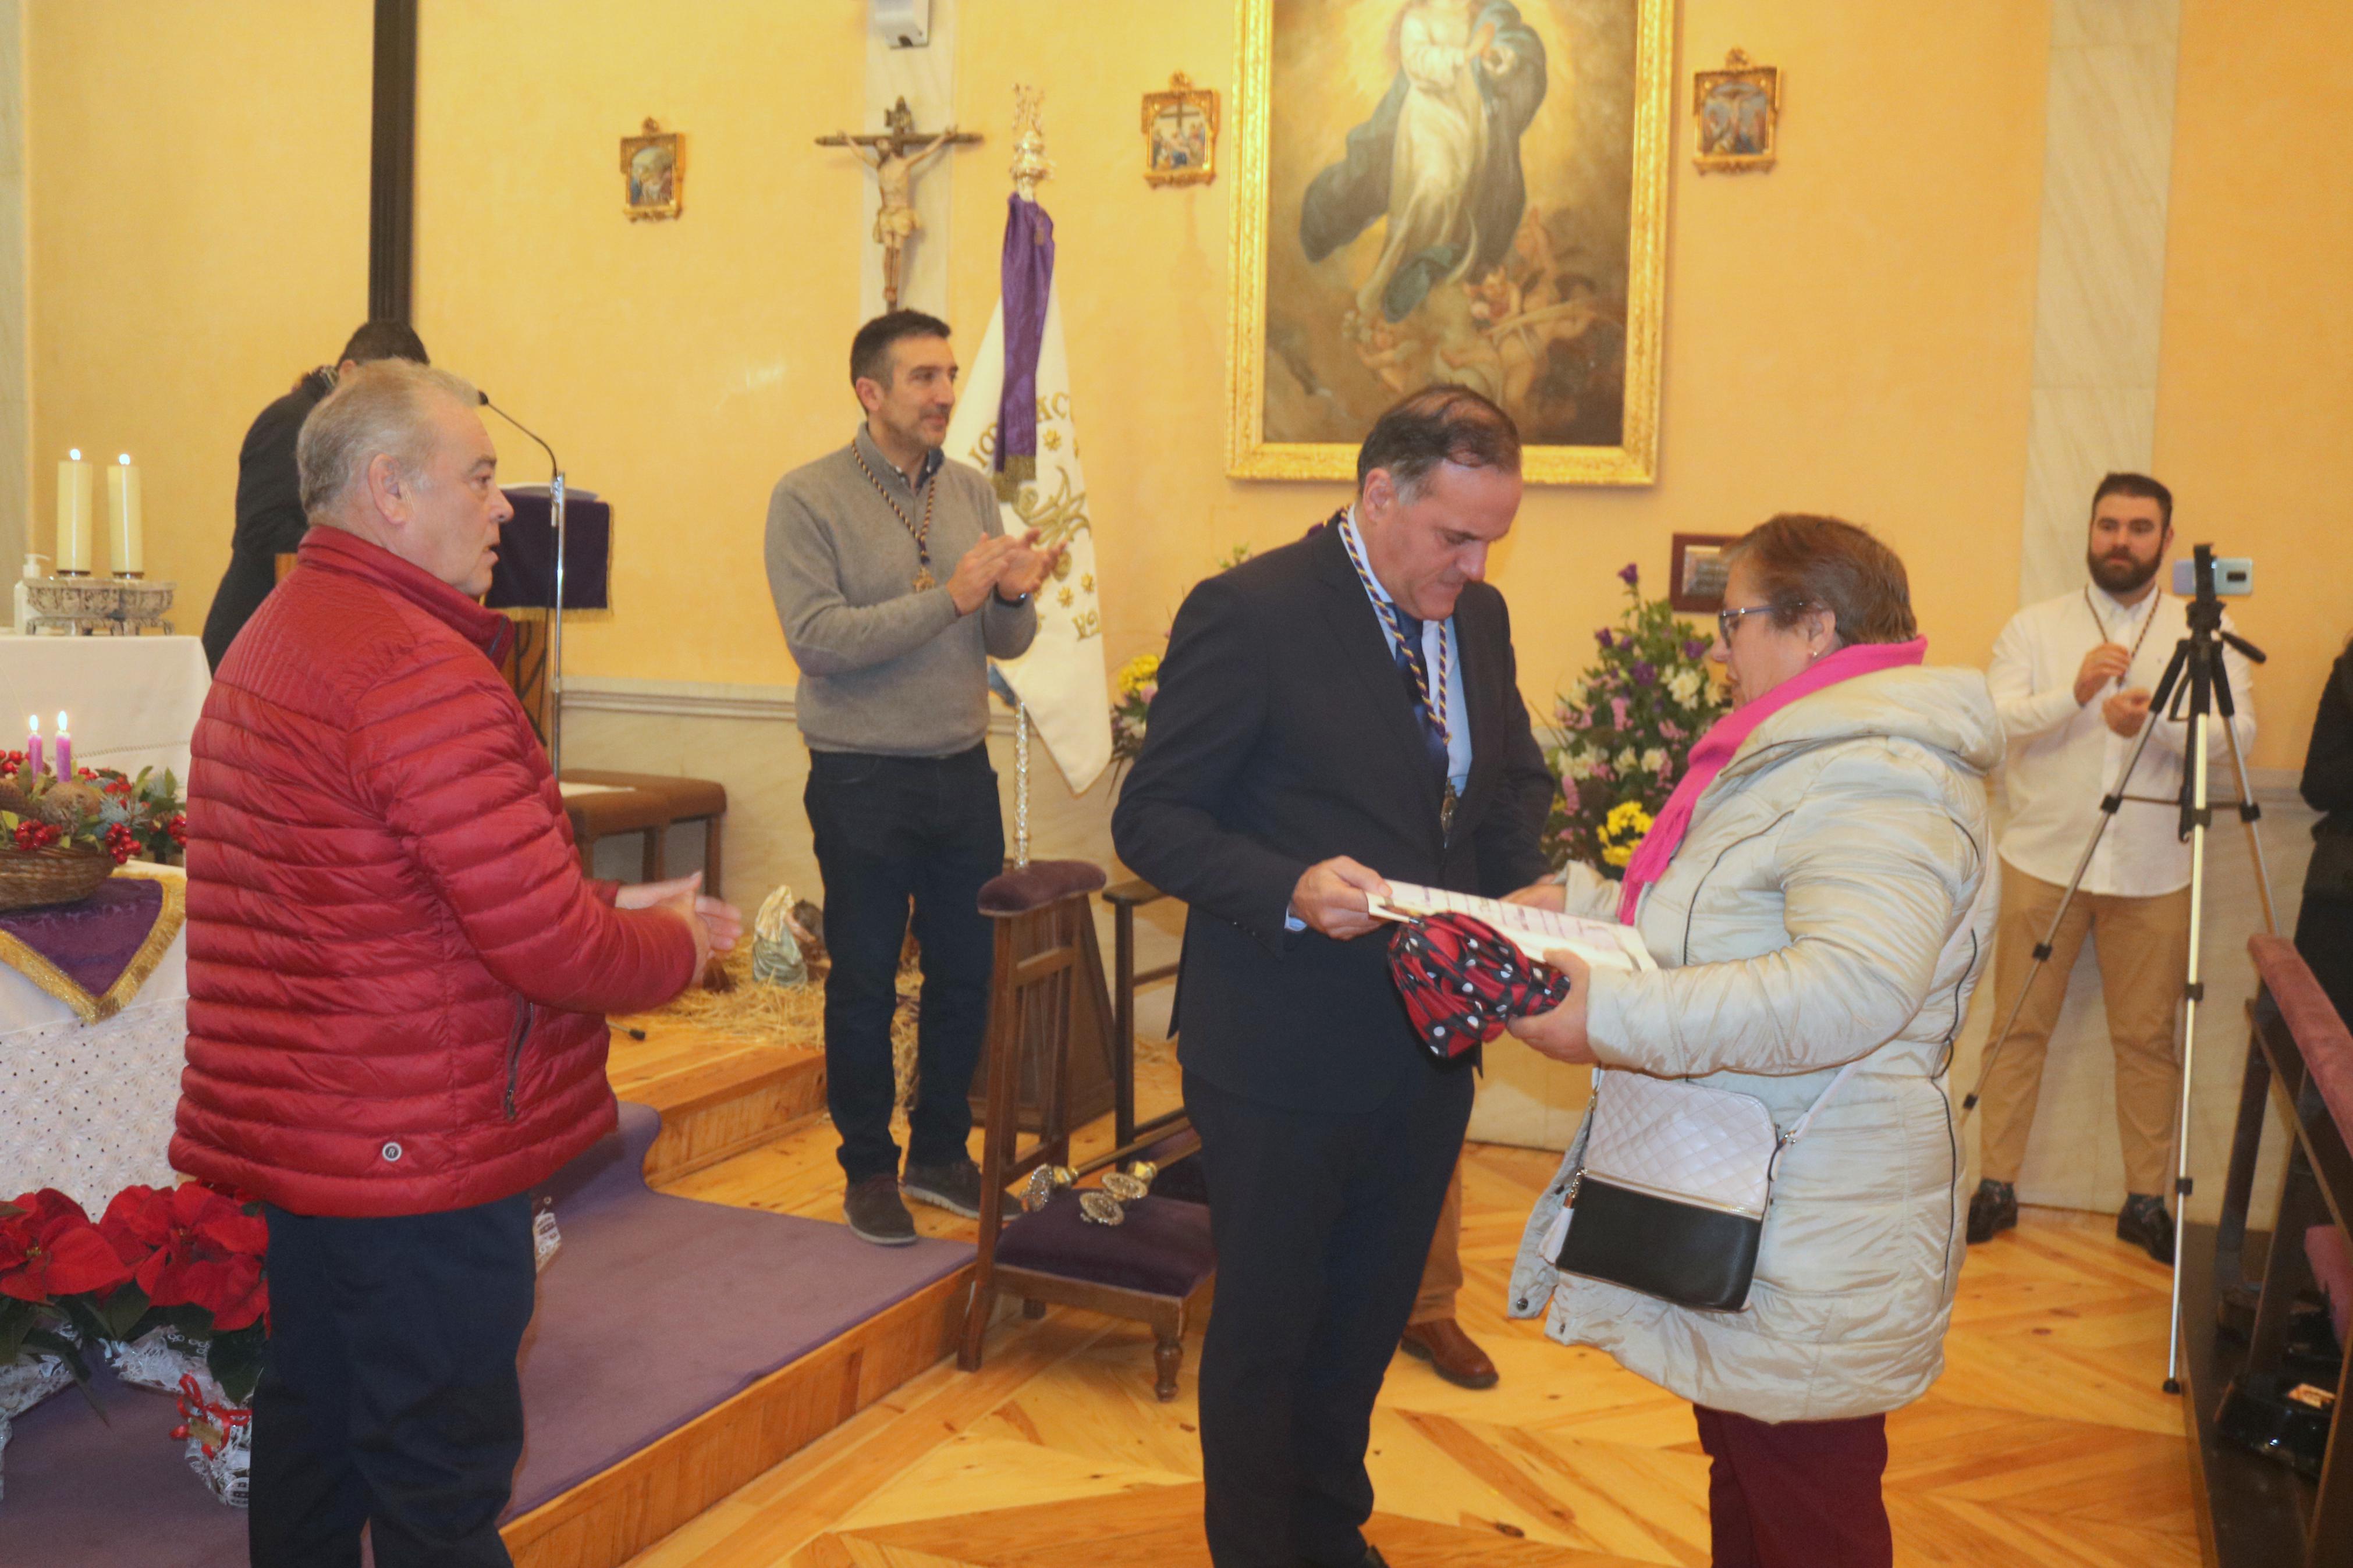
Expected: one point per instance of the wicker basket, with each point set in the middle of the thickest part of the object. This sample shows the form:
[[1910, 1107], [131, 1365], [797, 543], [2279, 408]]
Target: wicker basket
[[32, 878]]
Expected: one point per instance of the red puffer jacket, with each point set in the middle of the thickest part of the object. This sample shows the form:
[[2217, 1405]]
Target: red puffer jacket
[[396, 972]]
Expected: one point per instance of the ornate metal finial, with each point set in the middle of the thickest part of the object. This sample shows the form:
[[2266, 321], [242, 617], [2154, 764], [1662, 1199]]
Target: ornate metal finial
[[1030, 166]]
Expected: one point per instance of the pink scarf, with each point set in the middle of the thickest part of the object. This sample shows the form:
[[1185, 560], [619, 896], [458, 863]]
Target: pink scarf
[[1723, 739]]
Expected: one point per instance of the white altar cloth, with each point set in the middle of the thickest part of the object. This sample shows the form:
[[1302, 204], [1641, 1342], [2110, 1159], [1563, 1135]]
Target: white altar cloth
[[87, 1108], [135, 701]]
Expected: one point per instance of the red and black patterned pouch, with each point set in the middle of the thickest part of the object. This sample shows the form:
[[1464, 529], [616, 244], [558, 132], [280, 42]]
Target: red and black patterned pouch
[[1462, 980]]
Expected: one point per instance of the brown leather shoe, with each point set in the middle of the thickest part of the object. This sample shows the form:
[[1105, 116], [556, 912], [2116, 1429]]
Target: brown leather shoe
[[1450, 1352]]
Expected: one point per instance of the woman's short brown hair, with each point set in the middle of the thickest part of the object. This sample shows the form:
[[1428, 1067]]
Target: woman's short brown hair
[[1802, 563]]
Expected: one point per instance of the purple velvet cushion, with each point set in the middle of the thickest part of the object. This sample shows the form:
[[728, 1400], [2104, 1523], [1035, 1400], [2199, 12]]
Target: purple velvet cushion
[[1038, 884], [1163, 1248]]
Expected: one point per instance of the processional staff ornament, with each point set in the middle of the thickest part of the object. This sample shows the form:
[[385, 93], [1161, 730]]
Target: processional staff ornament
[[1030, 166], [894, 153]]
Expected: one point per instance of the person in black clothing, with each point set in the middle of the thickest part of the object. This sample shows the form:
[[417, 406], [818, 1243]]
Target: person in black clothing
[[1331, 713], [270, 521], [2324, 926]]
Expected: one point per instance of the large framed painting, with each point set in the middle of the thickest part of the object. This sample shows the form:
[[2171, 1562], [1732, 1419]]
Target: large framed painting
[[1461, 190]]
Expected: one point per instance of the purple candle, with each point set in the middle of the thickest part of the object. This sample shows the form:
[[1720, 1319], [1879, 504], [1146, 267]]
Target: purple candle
[[65, 750], [33, 749]]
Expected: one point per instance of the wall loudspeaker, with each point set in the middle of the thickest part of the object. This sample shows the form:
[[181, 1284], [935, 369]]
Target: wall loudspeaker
[[906, 24]]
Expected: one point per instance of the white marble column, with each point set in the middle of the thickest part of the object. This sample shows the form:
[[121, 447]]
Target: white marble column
[[925, 77], [16, 493], [2100, 293]]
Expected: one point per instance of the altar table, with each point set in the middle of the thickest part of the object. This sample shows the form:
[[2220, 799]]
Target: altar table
[[135, 701], [87, 1108]]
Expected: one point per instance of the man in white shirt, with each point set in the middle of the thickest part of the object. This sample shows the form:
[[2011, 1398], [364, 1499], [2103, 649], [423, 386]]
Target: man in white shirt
[[2071, 678]]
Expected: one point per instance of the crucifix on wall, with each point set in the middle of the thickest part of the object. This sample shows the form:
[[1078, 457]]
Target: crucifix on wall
[[894, 154]]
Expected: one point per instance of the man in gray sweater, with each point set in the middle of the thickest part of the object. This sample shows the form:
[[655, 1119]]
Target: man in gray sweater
[[896, 583]]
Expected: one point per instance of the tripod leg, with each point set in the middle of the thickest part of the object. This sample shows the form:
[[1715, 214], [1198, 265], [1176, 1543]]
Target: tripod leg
[[2250, 812], [2110, 805], [2194, 992]]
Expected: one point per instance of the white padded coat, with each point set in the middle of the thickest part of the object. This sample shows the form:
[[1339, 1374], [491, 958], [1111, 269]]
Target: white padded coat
[[1833, 899]]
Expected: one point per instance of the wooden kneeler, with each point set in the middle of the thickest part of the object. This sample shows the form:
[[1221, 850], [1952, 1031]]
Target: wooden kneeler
[[1157, 1267]]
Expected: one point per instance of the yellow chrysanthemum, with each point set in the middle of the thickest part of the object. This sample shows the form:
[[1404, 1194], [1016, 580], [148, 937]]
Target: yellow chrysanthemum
[[1619, 854], [1137, 673]]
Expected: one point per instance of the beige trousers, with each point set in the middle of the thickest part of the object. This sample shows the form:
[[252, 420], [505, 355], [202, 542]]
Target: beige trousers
[[2144, 955], [1441, 1276]]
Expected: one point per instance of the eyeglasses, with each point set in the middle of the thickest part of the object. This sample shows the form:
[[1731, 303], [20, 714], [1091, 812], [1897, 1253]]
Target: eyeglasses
[[1728, 619]]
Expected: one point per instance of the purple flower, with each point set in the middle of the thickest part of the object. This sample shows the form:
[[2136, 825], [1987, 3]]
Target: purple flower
[[1694, 647], [1644, 672], [1618, 712], [1603, 637], [1629, 575]]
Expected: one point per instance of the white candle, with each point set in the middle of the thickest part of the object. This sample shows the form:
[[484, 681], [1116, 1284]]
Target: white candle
[[74, 486], [126, 536]]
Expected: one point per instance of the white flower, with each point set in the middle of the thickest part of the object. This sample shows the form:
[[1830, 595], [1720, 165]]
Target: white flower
[[1655, 759], [1685, 686], [1626, 761], [1576, 763]]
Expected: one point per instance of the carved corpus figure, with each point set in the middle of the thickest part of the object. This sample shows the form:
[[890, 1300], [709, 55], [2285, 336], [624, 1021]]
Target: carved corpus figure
[[894, 157]]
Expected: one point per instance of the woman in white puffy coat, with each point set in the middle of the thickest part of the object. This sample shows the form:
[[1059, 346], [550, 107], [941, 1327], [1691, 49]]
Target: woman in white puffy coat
[[1831, 900]]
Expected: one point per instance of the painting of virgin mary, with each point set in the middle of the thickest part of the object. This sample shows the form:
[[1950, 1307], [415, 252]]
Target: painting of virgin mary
[[1467, 192], [1440, 158]]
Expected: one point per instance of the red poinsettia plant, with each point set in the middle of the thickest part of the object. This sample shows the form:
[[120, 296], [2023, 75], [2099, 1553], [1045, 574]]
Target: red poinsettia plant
[[193, 1259], [54, 1264]]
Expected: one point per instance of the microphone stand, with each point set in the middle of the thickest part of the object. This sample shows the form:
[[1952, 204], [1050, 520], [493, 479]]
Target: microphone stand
[[555, 611]]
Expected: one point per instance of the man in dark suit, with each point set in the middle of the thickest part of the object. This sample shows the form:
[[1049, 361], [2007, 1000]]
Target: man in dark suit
[[269, 519], [1331, 713]]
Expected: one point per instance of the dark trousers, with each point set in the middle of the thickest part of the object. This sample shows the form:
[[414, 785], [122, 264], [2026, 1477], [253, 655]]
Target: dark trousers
[[389, 1395], [889, 830], [1321, 1223], [1796, 1494]]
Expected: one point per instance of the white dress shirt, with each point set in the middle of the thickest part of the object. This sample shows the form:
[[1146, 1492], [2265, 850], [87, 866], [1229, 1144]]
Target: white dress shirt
[[2063, 758]]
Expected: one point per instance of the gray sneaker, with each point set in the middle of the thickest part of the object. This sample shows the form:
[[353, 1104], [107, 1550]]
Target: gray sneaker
[[953, 1187], [875, 1213]]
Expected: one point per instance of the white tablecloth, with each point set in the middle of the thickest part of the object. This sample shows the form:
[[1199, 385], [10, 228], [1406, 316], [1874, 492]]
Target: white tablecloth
[[87, 1108], [135, 701]]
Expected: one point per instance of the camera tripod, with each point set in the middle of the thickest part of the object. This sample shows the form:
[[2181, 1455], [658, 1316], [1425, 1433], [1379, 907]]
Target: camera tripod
[[2195, 674]]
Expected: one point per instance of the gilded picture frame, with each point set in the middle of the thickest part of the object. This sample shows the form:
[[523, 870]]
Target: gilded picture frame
[[1181, 134], [1554, 307], [1735, 115], [654, 173]]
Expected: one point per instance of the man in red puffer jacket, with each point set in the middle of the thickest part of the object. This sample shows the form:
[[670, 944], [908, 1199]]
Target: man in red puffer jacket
[[397, 983]]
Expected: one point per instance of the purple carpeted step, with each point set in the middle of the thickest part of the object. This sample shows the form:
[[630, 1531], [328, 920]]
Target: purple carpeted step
[[656, 1309]]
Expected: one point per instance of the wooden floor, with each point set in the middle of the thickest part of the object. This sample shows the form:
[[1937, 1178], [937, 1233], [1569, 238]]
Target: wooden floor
[[2047, 1441]]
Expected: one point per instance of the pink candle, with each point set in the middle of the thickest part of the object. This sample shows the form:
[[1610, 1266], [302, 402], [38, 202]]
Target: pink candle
[[33, 749], [65, 750]]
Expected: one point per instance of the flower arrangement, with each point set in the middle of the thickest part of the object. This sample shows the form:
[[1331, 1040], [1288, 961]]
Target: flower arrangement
[[193, 1257], [54, 1264], [99, 808], [1131, 700], [1621, 737]]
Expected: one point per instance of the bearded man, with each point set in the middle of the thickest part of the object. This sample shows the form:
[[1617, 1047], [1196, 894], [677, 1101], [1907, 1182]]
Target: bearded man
[[2071, 678]]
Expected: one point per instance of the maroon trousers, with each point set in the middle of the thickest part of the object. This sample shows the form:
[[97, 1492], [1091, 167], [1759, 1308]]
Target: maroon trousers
[[1796, 1493]]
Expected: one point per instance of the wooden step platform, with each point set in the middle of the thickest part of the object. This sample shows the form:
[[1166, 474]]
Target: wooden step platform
[[1155, 1527], [719, 1094], [609, 1520]]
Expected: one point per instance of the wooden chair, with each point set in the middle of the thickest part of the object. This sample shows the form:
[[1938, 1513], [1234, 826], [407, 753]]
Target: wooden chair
[[1157, 1267]]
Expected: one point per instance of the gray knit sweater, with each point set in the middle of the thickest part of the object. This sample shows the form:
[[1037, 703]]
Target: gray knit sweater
[[883, 668]]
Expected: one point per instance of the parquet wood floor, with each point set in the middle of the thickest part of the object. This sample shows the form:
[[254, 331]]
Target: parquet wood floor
[[2046, 1442]]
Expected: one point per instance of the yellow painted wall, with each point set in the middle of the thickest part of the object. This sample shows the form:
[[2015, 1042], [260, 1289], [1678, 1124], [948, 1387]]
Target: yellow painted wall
[[2255, 401], [1850, 332], [199, 215]]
